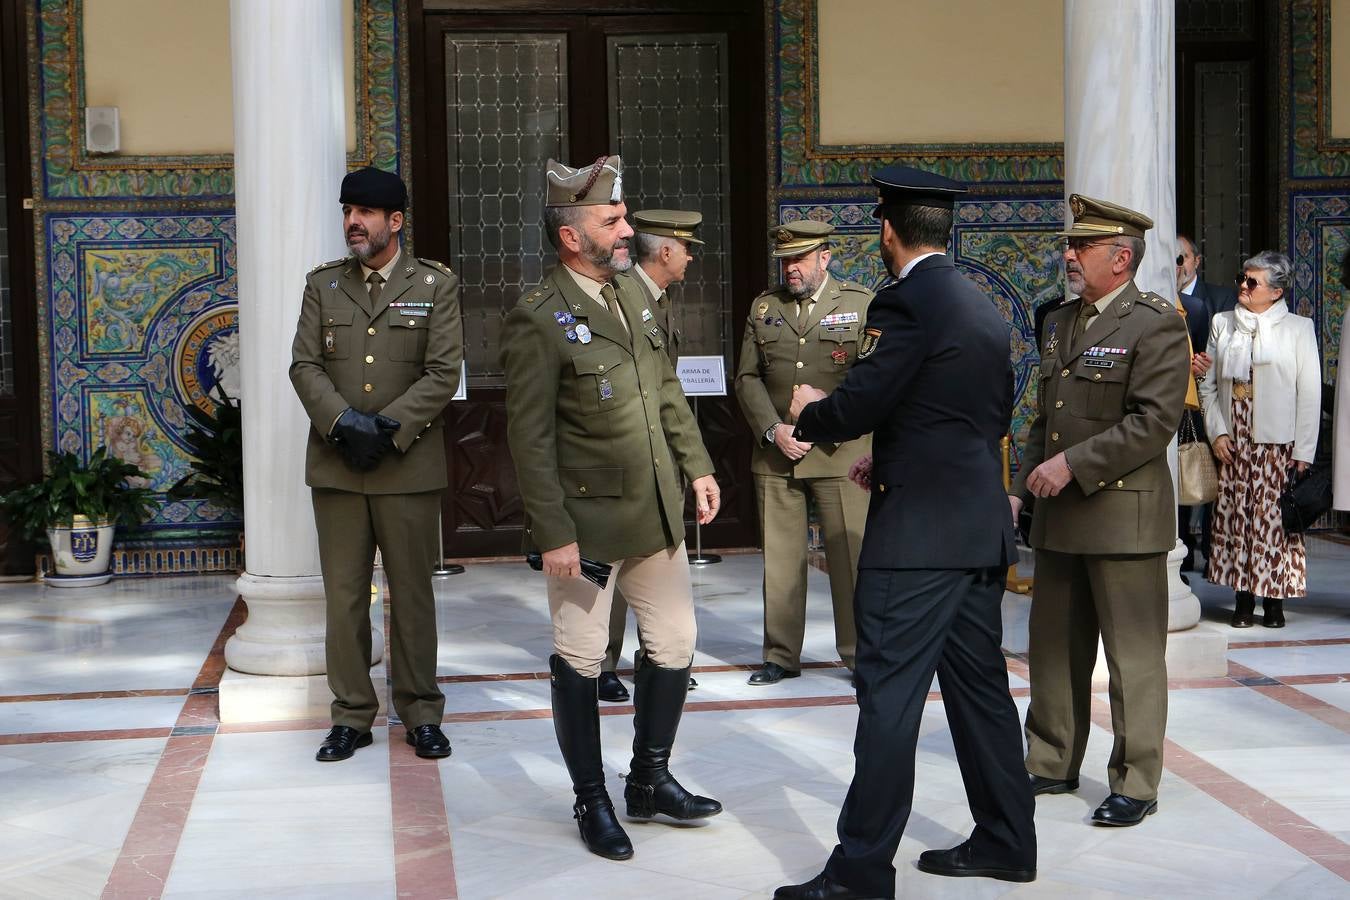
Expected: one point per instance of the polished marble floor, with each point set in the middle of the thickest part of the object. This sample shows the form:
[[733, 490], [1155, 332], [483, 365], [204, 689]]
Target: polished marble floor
[[117, 780]]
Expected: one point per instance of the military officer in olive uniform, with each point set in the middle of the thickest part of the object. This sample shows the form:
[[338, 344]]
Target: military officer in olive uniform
[[804, 332], [376, 358], [1113, 377], [600, 434], [662, 240]]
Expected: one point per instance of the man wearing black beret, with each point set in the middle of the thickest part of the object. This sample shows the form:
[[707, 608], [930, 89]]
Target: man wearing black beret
[[932, 384], [376, 358]]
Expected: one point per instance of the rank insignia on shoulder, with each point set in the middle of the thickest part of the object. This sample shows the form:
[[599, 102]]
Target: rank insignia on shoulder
[[646, 315], [871, 338]]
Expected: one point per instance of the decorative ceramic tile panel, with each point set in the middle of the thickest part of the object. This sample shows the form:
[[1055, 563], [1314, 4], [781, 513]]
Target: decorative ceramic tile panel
[[1318, 240]]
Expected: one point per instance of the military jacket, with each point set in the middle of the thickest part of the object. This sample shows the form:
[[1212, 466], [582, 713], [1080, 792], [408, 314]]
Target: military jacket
[[399, 357], [1112, 401], [663, 315], [597, 423], [777, 355]]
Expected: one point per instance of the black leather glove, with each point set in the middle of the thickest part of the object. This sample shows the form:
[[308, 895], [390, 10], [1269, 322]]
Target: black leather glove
[[363, 438]]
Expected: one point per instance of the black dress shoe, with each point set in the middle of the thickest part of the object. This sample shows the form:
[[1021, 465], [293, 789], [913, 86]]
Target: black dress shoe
[[1118, 809], [1244, 604], [341, 743], [1272, 609], [961, 862], [612, 689], [1041, 785], [772, 673], [818, 888], [692, 683], [429, 741]]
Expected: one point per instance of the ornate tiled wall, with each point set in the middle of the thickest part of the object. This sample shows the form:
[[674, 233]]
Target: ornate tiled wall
[[136, 262]]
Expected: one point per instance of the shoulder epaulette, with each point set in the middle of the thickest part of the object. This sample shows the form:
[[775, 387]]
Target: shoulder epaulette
[[852, 286], [1154, 302], [435, 264], [537, 295], [328, 265]]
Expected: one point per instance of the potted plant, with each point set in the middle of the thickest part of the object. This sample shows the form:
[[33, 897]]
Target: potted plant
[[75, 509], [216, 442]]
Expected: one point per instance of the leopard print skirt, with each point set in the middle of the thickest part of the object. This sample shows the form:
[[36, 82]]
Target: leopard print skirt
[[1249, 549]]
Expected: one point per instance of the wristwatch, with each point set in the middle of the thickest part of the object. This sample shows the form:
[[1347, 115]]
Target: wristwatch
[[768, 434]]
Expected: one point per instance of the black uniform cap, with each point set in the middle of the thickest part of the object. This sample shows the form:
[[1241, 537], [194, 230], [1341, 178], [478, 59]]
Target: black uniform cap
[[907, 186], [375, 188]]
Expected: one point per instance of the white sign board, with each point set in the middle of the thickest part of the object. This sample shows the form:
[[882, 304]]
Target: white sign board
[[462, 392], [702, 376]]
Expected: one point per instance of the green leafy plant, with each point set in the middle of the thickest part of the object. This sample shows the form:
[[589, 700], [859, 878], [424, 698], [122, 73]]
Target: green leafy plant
[[216, 442], [96, 489]]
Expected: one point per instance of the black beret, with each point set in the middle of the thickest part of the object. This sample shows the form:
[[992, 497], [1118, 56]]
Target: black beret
[[907, 186], [374, 188]]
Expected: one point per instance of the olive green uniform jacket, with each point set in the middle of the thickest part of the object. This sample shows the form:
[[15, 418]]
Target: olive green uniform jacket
[[663, 312], [599, 431], [399, 357], [777, 355], [1112, 400]]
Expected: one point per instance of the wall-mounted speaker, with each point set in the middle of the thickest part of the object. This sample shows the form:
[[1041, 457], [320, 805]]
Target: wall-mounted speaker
[[101, 131]]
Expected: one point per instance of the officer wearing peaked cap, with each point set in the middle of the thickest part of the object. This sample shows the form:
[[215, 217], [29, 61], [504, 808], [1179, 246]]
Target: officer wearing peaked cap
[[601, 434], [661, 252], [376, 357], [1114, 367], [808, 330], [932, 386]]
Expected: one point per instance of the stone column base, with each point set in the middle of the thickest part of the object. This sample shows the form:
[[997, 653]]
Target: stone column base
[[284, 633], [275, 698]]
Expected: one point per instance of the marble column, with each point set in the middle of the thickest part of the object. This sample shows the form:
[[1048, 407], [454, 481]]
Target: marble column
[[1120, 145], [290, 156]]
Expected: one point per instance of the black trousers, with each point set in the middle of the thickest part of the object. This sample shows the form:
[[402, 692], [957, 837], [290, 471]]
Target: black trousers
[[912, 622]]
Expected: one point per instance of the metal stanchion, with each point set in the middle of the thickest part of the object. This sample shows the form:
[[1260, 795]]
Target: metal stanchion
[[442, 568], [700, 558]]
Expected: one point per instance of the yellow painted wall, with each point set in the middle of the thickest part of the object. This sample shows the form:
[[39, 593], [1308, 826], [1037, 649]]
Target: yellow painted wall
[[165, 64], [956, 71], [1340, 69]]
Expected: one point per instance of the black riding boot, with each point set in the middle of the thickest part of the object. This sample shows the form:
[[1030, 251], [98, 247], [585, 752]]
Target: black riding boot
[[1244, 604], [658, 701], [576, 719], [1273, 612]]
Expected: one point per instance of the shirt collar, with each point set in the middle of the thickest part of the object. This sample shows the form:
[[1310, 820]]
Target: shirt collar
[[1190, 285], [1104, 302], [647, 280], [909, 266], [385, 270], [588, 285]]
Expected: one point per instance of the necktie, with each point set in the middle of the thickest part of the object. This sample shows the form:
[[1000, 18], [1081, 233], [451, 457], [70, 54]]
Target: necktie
[[802, 306], [1085, 317], [376, 282], [611, 303]]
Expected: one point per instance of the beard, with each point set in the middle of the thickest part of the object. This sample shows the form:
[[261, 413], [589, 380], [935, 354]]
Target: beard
[[888, 259], [373, 245], [1076, 281], [606, 258], [807, 286]]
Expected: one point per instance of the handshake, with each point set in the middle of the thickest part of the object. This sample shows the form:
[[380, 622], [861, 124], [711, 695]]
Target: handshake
[[362, 438]]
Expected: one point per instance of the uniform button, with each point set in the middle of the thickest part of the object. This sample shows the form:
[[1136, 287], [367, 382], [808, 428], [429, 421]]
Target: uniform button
[[1058, 404], [644, 395], [795, 386], [800, 364], [1097, 376], [1064, 374], [1054, 435], [1101, 484], [657, 463], [370, 330], [882, 488], [370, 359], [652, 429], [330, 320], [581, 489], [412, 323], [1120, 484], [801, 340], [600, 368], [368, 388]]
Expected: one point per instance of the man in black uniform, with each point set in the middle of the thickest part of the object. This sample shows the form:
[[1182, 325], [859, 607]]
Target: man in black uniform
[[932, 383]]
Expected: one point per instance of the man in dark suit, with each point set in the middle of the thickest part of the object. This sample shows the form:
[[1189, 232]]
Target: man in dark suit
[[932, 384], [1202, 302]]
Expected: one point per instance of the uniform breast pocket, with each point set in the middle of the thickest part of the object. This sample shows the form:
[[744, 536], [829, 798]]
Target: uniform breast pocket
[[336, 336], [407, 336], [1099, 393], [601, 380], [766, 345], [840, 342]]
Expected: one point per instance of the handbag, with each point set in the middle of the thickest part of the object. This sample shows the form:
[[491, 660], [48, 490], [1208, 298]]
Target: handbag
[[1197, 476], [1305, 498]]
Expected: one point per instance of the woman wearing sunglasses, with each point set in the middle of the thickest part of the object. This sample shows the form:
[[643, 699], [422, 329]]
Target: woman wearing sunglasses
[[1262, 409]]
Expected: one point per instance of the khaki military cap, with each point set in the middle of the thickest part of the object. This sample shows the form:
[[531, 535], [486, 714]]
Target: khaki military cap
[[674, 223], [796, 238], [600, 182], [1098, 218]]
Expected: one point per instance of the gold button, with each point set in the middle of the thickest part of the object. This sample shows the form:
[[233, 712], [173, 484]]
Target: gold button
[[412, 323], [370, 359], [1058, 404], [801, 340], [657, 463], [1097, 376], [330, 320], [644, 395], [795, 386], [368, 388], [1054, 435], [1064, 374], [581, 489], [882, 488], [1101, 484], [1120, 484], [370, 330], [599, 368], [800, 364], [652, 429]]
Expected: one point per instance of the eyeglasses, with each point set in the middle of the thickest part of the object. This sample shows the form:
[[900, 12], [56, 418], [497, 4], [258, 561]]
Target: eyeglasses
[[1251, 283], [1081, 245]]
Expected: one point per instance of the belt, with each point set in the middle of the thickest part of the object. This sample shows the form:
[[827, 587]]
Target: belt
[[1242, 390]]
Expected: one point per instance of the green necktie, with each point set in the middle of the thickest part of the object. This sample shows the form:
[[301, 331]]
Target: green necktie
[[376, 282], [1085, 317]]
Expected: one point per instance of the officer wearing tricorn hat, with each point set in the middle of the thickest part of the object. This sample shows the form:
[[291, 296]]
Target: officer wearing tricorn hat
[[810, 329], [600, 434], [1113, 376], [376, 358], [932, 385]]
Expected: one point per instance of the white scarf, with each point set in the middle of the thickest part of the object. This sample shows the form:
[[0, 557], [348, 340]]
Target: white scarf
[[1250, 343]]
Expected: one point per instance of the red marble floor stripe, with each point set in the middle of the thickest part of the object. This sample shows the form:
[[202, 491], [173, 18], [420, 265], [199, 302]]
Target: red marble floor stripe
[[1307, 703], [1330, 678], [66, 737], [544, 676], [208, 677], [94, 695], [1310, 642], [284, 725], [424, 859]]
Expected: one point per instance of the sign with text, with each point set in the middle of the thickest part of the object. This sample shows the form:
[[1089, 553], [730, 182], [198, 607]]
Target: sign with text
[[702, 376]]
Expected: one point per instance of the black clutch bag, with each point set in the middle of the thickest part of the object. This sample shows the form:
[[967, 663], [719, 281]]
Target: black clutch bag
[[595, 572], [1306, 498]]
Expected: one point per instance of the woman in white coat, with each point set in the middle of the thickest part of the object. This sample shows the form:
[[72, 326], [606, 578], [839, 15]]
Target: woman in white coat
[[1262, 409]]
